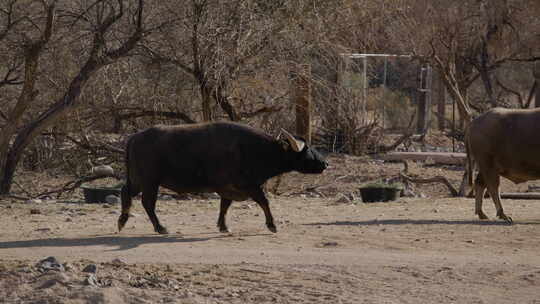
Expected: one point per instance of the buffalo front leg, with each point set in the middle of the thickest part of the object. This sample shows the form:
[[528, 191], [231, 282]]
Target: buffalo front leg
[[493, 182], [149, 197], [258, 196], [224, 206], [479, 190]]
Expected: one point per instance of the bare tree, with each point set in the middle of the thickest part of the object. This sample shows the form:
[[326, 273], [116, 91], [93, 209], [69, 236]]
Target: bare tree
[[114, 28], [468, 40]]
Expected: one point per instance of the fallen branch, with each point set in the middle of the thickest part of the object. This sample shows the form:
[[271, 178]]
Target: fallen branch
[[13, 196], [74, 184], [436, 179], [399, 141], [408, 133]]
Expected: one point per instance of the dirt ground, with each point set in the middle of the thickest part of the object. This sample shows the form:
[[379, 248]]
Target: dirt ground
[[329, 248]]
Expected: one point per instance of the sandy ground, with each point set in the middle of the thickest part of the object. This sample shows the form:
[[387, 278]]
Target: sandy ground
[[408, 251], [326, 250]]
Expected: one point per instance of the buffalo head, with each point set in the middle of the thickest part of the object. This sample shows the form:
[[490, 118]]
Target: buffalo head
[[306, 159]]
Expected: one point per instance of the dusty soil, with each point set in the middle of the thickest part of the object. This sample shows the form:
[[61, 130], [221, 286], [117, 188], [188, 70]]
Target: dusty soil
[[328, 249]]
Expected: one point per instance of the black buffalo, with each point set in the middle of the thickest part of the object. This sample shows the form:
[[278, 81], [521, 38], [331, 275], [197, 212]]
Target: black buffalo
[[230, 159]]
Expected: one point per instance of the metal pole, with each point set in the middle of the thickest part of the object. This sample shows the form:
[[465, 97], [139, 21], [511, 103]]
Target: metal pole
[[384, 91], [364, 93], [453, 125]]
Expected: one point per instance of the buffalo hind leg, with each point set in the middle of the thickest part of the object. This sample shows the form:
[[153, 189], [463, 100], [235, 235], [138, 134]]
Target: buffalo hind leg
[[479, 190], [493, 181], [149, 197], [127, 193], [258, 196], [224, 206]]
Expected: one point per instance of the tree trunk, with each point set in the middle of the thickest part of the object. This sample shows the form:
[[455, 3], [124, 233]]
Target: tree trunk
[[536, 74], [28, 94], [29, 132], [98, 59], [302, 100], [485, 74], [206, 104]]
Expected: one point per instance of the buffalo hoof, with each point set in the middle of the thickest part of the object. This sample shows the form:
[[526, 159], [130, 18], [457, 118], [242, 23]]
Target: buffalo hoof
[[122, 221], [272, 228], [482, 215], [162, 230], [224, 230], [506, 218]]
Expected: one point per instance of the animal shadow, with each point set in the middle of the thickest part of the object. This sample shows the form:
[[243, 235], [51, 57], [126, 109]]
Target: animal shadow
[[423, 222], [117, 242]]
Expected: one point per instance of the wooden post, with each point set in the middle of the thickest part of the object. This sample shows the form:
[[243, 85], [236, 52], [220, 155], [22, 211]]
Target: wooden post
[[536, 74], [423, 99], [302, 101], [441, 101]]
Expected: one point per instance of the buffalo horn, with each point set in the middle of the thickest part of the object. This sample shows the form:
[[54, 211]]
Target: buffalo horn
[[296, 144]]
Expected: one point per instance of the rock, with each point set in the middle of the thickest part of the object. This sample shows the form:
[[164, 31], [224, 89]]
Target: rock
[[166, 197], [102, 170], [35, 211], [34, 201], [25, 269], [408, 192], [91, 280], [68, 266], [43, 229], [212, 195], [329, 244], [51, 279], [112, 199], [91, 268], [50, 263], [118, 261], [343, 199]]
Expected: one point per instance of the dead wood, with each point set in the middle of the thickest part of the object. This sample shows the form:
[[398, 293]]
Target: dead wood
[[74, 184], [435, 179]]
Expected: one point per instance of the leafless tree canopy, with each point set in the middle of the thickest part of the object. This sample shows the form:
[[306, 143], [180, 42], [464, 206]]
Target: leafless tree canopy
[[85, 74]]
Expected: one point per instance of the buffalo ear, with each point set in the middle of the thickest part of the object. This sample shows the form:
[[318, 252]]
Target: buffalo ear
[[297, 145]]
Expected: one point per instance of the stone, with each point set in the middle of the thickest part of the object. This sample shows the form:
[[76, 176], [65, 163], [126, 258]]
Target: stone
[[343, 199], [330, 244], [112, 199], [51, 279], [35, 211], [46, 229], [50, 263], [102, 170], [118, 261], [91, 268], [91, 280]]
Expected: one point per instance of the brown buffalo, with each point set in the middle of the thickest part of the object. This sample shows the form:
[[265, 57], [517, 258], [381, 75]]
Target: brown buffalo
[[502, 142], [230, 159]]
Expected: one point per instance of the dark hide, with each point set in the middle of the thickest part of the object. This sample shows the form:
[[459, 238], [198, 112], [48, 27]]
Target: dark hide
[[502, 142], [230, 159]]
